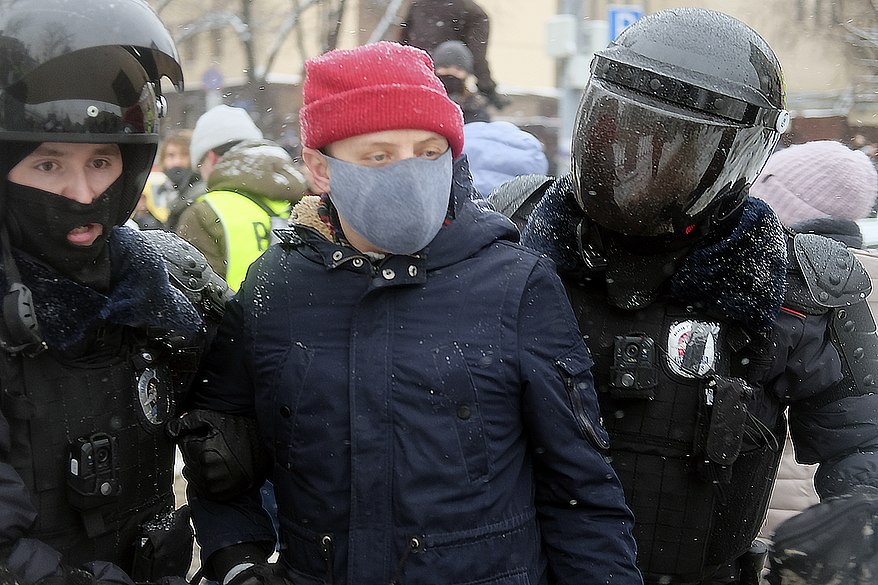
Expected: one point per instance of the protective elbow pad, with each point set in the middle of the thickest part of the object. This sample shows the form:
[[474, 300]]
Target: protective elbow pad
[[223, 453]]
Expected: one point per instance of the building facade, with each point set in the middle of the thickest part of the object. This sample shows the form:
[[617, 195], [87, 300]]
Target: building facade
[[250, 53]]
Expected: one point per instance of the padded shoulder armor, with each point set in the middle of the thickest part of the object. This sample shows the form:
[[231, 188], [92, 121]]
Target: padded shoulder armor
[[833, 275], [519, 194], [190, 273]]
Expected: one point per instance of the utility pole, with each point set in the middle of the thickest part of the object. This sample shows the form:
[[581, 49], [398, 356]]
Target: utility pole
[[569, 94], [573, 39]]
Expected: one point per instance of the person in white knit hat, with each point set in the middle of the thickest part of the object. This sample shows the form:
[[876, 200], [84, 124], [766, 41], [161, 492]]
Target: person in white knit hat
[[216, 132]]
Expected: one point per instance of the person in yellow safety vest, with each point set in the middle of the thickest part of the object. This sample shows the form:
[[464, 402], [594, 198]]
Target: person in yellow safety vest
[[251, 189]]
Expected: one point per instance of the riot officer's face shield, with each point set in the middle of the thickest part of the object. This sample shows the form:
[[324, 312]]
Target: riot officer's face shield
[[68, 99], [112, 103], [646, 167]]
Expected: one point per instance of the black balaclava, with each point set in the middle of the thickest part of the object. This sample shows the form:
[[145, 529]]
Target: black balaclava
[[454, 85], [39, 221]]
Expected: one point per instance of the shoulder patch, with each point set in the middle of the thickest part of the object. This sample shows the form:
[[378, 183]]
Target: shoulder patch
[[833, 275]]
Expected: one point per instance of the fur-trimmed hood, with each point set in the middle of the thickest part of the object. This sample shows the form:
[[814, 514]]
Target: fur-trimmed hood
[[258, 167]]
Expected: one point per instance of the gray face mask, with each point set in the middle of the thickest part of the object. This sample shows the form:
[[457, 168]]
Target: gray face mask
[[398, 208]]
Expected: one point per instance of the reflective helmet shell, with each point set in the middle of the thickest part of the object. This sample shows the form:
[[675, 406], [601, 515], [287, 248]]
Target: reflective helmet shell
[[679, 116], [86, 71]]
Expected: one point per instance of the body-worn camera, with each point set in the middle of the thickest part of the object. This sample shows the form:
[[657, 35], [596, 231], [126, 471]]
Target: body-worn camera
[[634, 373], [92, 472]]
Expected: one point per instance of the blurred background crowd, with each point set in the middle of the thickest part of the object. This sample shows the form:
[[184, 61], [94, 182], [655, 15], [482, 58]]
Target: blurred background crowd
[[529, 59]]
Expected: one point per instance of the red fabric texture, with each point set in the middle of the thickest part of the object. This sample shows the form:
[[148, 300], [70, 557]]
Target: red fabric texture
[[372, 88]]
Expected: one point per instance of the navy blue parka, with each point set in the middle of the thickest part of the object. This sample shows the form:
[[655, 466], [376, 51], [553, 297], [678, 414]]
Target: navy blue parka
[[430, 418], [747, 276]]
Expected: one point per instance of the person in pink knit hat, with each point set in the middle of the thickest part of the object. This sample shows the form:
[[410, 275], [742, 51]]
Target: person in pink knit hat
[[409, 377], [819, 187]]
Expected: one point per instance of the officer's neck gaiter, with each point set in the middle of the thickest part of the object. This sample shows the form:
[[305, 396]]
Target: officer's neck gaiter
[[399, 208], [39, 221]]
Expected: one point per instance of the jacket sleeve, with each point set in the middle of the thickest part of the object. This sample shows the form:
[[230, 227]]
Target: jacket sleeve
[[224, 384], [829, 425], [585, 523], [200, 226], [29, 559], [478, 29]]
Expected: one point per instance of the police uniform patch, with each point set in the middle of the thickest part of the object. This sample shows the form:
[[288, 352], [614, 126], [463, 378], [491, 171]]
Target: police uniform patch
[[692, 348], [154, 397]]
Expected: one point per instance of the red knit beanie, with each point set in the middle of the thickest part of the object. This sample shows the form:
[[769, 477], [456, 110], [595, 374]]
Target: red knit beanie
[[372, 88]]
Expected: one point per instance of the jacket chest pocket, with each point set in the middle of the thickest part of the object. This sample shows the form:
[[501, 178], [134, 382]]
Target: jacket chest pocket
[[282, 406], [456, 397]]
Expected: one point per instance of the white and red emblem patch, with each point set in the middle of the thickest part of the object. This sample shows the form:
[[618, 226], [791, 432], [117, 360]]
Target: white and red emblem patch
[[692, 348]]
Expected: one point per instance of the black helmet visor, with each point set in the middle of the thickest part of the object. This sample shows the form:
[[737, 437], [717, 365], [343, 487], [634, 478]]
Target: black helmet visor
[[646, 167], [34, 32], [92, 95]]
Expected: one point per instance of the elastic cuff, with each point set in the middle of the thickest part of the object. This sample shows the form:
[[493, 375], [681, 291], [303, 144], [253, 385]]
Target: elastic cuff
[[235, 571], [224, 560]]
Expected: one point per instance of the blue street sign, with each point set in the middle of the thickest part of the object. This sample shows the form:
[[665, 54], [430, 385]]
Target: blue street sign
[[212, 79], [621, 16]]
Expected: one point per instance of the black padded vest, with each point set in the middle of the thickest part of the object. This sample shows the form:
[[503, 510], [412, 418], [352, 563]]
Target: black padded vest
[[88, 440], [697, 503]]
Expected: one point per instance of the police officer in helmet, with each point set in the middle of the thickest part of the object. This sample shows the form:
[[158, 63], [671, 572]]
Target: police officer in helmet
[[709, 323], [101, 325]]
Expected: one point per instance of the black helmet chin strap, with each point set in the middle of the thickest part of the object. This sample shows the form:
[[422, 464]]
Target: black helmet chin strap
[[19, 330]]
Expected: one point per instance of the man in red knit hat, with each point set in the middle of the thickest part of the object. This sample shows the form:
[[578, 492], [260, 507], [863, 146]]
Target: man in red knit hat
[[409, 377]]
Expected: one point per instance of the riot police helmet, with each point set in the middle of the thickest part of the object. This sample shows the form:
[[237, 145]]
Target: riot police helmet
[[679, 115], [85, 72]]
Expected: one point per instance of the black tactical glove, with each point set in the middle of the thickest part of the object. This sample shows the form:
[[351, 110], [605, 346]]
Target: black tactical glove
[[262, 574], [223, 453], [831, 542], [164, 546]]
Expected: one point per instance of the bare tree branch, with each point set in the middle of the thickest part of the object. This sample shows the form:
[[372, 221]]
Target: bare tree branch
[[288, 24], [300, 38], [213, 20], [249, 51], [331, 15], [334, 26], [387, 20]]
